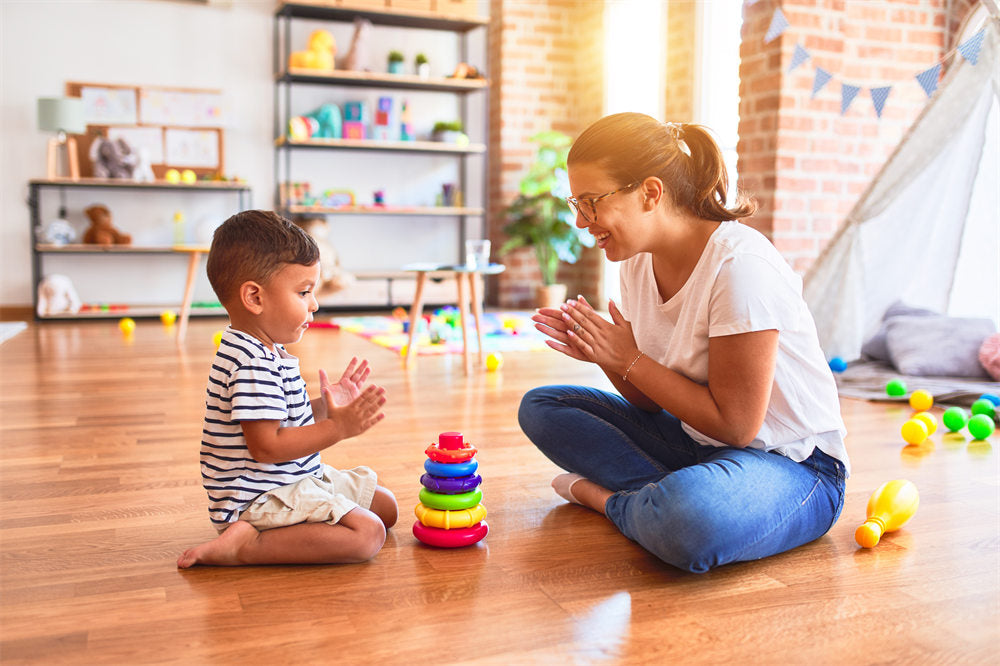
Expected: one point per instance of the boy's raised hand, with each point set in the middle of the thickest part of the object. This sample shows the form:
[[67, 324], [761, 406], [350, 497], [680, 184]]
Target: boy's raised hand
[[359, 414], [350, 384]]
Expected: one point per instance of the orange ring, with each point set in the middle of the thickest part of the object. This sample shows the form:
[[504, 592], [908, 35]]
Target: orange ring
[[437, 454]]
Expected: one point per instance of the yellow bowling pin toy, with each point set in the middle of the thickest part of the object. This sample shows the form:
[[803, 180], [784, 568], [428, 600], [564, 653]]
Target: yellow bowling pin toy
[[889, 508]]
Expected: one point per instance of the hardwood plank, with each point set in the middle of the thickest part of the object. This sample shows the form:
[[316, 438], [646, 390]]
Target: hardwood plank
[[100, 491]]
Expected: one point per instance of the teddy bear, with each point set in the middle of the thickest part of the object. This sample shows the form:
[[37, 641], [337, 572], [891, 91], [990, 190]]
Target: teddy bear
[[332, 278], [101, 231], [319, 54]]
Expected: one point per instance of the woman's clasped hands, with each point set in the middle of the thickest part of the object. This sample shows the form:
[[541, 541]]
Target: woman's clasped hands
[[578, 331]]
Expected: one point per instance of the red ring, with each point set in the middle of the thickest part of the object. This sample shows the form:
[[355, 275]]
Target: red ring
[[463, 536]]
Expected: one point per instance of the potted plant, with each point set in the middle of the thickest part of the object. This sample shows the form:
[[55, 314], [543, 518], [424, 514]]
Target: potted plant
[[423, 67], [449, 131], [541, 219], [395, 62]]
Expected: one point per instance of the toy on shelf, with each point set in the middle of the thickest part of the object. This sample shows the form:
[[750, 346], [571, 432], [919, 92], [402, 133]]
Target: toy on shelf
[[889, 507], [101, 230], [355, 120], [359, 45], [332, 278], [450, 513], [319, 54], [56, 295], [464, 70], [323, 122], [113, 158], [395, 65], [406, 123], [381, 125]]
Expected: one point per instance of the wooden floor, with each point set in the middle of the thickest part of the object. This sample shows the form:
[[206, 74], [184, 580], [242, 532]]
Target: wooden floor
[[100, 491]]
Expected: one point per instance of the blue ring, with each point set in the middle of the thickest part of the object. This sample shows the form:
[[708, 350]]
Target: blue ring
[[450, 470], [451, 485]]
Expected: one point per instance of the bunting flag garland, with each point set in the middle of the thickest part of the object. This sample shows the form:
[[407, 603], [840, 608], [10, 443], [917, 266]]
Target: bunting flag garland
[[822, 78], [928, 79], [879, 95], [778, 25], [847, 95], [970, 47], [799, 57]]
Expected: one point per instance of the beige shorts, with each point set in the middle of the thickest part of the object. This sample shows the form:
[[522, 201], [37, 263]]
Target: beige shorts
[[313, 499]]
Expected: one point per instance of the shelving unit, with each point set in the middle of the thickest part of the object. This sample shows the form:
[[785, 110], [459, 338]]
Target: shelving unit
[[394, 287], [40, 250]]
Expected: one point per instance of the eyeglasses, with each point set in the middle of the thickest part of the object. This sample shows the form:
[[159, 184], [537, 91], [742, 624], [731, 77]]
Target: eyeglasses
[[574, 202]]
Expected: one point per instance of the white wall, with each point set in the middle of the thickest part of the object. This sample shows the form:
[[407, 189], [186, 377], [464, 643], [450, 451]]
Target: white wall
[[45, 43]]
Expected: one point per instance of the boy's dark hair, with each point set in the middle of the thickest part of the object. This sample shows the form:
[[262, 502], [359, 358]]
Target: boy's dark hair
[[253, 245]]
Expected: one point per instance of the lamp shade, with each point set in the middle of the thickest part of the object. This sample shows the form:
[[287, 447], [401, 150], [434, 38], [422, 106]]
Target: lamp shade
[[61, 114]]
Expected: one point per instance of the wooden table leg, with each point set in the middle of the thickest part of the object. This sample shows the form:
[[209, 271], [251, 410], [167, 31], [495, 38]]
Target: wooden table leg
[[416, 310], [477, 313], [188, 295], [463, 312]]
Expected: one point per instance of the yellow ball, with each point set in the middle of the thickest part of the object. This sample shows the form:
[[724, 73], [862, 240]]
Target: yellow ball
[[188, 176], [494, 361], [403, 350], [914, 431], [172, 176], [127, 325], [217, 339], [168, 317], [921, 400], [928, 420]]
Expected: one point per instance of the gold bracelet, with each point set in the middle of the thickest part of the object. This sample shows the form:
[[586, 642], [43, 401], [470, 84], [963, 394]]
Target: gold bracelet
[[634, 361]]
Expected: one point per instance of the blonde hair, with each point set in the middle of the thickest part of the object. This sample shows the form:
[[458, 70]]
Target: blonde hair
[[253, 245], [634, 146]]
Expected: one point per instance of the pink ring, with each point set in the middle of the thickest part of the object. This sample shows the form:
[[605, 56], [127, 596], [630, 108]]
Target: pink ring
[[457, 538]]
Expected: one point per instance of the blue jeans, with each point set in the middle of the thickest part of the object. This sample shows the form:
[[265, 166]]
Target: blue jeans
[[691, 505]]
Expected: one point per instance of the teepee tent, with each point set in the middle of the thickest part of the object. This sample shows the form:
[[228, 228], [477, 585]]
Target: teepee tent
[[927, 229]]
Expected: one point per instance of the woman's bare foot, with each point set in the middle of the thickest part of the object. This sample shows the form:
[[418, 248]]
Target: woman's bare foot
[[223, 550]]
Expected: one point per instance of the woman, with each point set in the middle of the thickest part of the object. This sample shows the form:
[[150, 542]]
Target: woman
[[726, 441]]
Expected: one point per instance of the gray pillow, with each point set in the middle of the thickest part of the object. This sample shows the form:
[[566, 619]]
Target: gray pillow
[[875, 347], [937, 346]]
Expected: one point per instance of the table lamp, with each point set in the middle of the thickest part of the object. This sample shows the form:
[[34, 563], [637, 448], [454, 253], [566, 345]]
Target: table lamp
[[63, 115]]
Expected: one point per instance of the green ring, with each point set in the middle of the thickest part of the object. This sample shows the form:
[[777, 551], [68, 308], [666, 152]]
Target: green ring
[[451, 502]]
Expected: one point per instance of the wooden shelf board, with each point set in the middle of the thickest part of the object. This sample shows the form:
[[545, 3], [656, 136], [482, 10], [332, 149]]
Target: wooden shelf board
[[343, 77], [159, 184], [320, 9], [385, 210], [80, 248], [372, 144]]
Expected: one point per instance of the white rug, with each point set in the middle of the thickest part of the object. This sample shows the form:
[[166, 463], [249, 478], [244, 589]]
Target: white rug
[[9, 329]]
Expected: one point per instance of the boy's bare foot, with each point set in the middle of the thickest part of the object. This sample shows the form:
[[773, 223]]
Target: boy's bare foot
[[223, 550]]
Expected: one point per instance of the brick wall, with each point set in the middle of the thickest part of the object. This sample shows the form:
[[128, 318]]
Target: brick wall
[[547, 73], [679, 84], [805, 162]]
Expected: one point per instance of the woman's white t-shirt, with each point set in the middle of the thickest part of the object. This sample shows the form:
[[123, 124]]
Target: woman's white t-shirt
[[739, 285]]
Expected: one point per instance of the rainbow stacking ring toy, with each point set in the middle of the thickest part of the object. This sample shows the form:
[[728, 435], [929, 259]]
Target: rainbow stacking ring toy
[[450, 513]]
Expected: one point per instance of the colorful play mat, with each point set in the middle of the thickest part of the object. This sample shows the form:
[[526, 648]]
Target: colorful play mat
[[439, 332]]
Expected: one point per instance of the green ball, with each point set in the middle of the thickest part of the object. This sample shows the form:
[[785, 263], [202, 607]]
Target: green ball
[[983, 406], [955, 418], [896, 387], [980, 426]]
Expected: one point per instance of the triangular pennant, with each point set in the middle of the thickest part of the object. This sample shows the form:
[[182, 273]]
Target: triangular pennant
[[970, 47], [928, 79], [822, 78], [879, 95], [778, 25], [847, 95], [799, 57]]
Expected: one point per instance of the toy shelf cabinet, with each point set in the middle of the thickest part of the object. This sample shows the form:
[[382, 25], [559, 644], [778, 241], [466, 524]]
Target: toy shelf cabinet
[[415, 222], [109, 258]]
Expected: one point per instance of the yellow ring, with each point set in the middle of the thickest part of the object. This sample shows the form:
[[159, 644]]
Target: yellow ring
[[447, 520]]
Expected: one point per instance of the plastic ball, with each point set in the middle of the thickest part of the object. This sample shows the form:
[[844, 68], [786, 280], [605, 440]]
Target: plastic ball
[[981, 426], [494, 361], [838, 364], [217, 339], [896, 387], [921, 400], [403, 350], [983, 406], [914, 432], [172, 176], [928, 420], [995, 399], [127, 325], [955, 418], [188, 176], [168, 317]]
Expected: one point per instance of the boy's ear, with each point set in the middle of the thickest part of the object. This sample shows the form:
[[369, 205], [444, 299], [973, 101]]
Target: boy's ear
[[251, 297]]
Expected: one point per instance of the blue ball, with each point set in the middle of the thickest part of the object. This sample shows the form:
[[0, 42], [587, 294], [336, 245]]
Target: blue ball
[[995, 399], [838, 364]]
